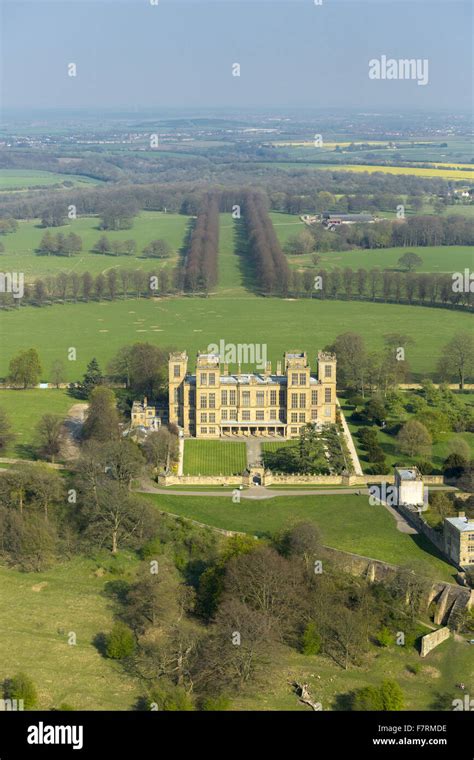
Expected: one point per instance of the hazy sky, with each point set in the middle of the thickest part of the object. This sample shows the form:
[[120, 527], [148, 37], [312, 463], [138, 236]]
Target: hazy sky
[[180, 54]]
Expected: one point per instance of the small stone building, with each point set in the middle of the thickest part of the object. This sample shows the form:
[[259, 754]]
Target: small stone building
[[409, 485], [459, 539]]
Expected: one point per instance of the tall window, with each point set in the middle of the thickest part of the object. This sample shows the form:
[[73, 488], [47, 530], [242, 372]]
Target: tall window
[[246, 414], [294, 416], [294, 400], [302, 400], [327, 370], [302, 417], [176, 370], [176, 395], [203, 378], [232, 397], [273, 414], [212, 378], [245, 398], [204, 417], [260, 398], [203, 402], [302, 378], [294, 378], [314, 398], [224, 398], [212, 401], [327, 395], [273, 398], [260, 414]]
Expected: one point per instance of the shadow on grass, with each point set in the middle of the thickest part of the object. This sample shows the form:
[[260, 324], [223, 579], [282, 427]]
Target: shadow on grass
[[100, 643]]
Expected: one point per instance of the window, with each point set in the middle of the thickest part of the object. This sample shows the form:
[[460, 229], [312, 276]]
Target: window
[[294, 416], [232, 397], [204, 402], [327, 411], [327, 370], [224, 398], [302, 417], [246, 414], [192, 397], [212, 418], [260, 414], [294, 400], [273, 414], [327, 395], [470, 536], [302, 400], [245, 398], [294, 430], [233, 414], [260, 398], [212, 378], [294, 379], [212, 401], [203, 417], [302, 378], [212, 430], [314, 414], [273, 398], [224, 415], [204, 430], [176, 370], [176, 395], [314, 398], [203, 378]]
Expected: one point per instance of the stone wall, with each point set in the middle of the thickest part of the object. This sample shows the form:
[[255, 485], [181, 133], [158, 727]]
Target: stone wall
[[432, 640]]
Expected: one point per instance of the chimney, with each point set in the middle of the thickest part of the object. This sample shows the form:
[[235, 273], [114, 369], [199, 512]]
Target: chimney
[[226, 369], [461, 514], [145, 402], [268, 369], [278, 368]]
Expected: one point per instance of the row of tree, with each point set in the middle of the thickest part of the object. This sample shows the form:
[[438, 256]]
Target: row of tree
[[201, 263], [263, 247]]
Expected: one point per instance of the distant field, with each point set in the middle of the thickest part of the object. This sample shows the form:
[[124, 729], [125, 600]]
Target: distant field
[[38, 612], [346, 522], [214, 457], [25, 408], [453, 174], [20, 247], [20, 179], [100, 328], [450, 258]]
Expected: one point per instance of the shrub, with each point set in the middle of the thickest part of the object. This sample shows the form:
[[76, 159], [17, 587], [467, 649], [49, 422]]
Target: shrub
[[120, 642], [169, 698], [385, 637], [20, 686], [311, 640]]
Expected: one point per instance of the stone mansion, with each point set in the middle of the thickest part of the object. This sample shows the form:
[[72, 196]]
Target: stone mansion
[[214, 402]]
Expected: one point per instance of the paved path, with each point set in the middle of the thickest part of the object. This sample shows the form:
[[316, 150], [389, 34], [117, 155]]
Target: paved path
[[254, 492], [350, 442], [254, 451]]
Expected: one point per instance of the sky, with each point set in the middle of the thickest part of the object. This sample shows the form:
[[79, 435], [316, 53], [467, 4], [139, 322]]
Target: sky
[[180, 54]]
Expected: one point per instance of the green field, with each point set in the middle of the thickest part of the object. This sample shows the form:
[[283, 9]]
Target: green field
[[21, 179], [20, 246], [100, 328], [450, 258], [346, 522], [24, 409], [38, 612], [214, 457]]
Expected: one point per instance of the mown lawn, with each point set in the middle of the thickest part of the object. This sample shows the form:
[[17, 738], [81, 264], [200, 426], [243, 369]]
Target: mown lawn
[[20, 247], [346, 522], [214, 457], [24, 409], [100, 329], [40, 610]]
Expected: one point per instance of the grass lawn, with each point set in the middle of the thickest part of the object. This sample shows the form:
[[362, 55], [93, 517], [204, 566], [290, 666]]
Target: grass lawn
[[38, 612], [389, 442], [21, 179], [346, 522], [214, 457], [441, 258], [101, 328], [20, 246], [24, 409], [432, 688]]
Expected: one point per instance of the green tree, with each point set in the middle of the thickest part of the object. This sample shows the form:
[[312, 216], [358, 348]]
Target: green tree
[[457, 358], [93, 377], [49, 435], [120, 642], [311, 640], [410, 261], [102, 420], [57, 372], [391, 696], [414, 439], [7, 435], [21, 686], [25, 368]]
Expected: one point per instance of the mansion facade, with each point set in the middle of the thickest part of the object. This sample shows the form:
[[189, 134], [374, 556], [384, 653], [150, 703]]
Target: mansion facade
[[214, 402]]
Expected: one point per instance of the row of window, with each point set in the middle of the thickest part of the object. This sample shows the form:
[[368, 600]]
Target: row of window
[[298, 400], [209, 378]]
